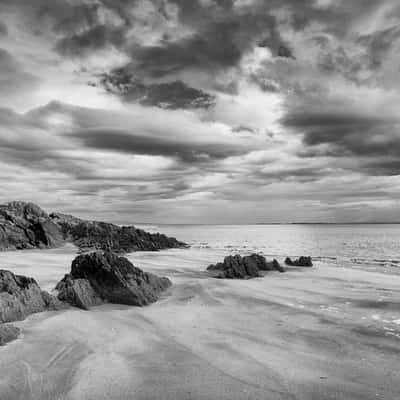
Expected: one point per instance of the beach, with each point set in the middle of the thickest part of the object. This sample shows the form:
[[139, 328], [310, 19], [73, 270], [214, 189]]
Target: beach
[[325, 332]]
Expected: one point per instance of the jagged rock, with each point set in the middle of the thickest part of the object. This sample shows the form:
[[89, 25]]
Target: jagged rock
[[8, 333], [21, 296], [27, 226], [274, 266], [78, 292], [113, 279], [237, 267], [94, 235], [300, 262]]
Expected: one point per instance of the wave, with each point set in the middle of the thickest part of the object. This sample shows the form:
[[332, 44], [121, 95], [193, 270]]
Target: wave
[[375, 261]]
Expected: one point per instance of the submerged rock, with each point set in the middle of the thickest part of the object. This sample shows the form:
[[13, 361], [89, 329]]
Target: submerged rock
[[238, 267], [27, 226], [105, 277], [21, 296], [300, 262], [8, 333]]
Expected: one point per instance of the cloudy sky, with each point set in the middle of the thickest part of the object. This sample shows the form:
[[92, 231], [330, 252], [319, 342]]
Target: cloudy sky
[[202, 111]]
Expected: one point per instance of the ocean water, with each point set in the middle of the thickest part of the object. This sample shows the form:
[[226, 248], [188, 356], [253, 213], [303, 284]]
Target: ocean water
[[374, 246]]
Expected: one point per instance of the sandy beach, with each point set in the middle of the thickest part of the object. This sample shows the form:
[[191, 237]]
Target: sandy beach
[[320, 333]]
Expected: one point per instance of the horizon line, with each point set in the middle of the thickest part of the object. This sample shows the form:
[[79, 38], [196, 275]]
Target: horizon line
[[272, 223]]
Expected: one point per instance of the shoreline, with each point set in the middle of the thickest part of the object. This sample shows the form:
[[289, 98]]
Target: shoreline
[[305, 334]]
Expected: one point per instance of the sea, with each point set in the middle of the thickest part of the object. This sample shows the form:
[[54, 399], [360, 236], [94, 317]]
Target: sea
[[368, 245]]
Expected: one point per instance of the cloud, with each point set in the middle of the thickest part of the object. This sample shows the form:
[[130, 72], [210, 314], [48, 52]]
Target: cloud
[[346, 132], [95, 38], [170, 95], [13, 78], [126, 142], [3, 29], [219, 110]]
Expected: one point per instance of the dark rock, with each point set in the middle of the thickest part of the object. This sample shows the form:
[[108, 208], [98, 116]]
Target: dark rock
[[78, 292], [94, 235], [237, 267], [8, 333], [21, 296], [113, 279], [27, 226], [300, 262], [274, 266]]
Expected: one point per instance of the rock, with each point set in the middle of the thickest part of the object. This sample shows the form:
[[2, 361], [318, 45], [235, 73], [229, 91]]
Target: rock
[[300, 262], [8, 333], [112, 279], [275, 266], [78, 292], [237, 267], [94, 235], [27, 226], [21, 296]]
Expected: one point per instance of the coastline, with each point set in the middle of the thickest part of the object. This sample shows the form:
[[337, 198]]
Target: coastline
[[325, 332]]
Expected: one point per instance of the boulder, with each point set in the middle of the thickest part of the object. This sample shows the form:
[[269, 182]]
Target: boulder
[[237, 267], [21, 296], [300, 262], [106, 277], [8, 333], [78, 292]]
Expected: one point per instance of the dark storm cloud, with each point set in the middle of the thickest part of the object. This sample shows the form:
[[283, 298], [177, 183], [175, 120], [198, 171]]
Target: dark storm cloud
[[216, 43], [170, 95], [383, 167], [357, 134], [126, 142], [95, 38], [79, 27]]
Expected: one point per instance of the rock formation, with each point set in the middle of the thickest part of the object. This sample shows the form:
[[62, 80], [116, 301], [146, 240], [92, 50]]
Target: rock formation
[[78, 292], [238, 267], [8, 333], [94, 235], [104, 277], [19, 297], [26, 226], [300, 262]]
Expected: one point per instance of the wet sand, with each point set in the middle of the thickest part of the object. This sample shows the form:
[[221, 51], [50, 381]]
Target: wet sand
[[320, 333]]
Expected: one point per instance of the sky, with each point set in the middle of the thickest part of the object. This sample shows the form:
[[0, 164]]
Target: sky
[[202, 111]]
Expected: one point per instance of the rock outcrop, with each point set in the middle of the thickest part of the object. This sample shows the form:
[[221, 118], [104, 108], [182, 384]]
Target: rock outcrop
[[19, 297], [27, 226], [8, 333], [238, 267], [300, 262], [105, 277], [94, 235]]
